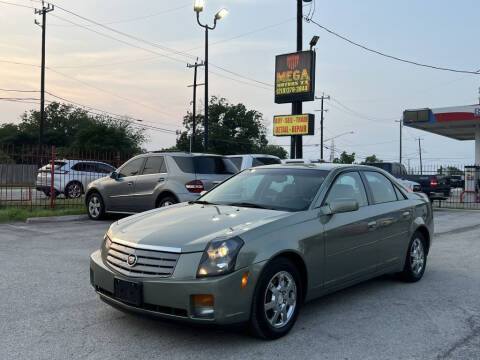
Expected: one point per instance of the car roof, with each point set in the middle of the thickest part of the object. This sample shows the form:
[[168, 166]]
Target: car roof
[[255, 155], [320, 166], [178, 153]]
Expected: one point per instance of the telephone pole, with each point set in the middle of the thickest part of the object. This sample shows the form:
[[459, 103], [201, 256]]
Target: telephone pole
[[420, 153], [194, 102], [323, 97], [43, 11]]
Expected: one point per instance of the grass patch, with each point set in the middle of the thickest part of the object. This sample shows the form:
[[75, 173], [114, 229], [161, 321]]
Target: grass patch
[[10, 214]]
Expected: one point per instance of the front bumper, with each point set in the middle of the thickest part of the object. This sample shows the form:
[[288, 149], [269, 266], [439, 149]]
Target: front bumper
[[172, 297]]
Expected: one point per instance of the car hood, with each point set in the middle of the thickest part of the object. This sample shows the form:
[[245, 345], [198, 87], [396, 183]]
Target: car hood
[[190, 227]]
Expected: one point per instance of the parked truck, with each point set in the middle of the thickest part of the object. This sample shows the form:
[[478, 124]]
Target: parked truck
[[436, 187]]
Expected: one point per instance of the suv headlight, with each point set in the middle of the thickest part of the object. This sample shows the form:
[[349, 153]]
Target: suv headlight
[[219, 257]]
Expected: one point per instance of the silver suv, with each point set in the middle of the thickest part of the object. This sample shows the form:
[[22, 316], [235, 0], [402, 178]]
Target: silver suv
[[156, 179]]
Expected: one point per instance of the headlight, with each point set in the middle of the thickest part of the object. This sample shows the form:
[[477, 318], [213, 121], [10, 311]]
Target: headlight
[[219, 257], [108, 242]]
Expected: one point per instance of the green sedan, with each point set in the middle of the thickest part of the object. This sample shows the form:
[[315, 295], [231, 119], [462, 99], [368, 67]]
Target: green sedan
[[258, 246]]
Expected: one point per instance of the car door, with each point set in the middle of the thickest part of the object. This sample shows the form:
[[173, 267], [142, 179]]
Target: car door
[[120, 190], [149, 183], [351, 246], [391, 214]]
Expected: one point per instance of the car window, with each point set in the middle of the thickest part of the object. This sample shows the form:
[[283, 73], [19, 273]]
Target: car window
[[104, 168], [400, 195], [213, 165], [237, 161], [348, 186], [79, 167], [131, 168], [382, 188], [279, 189], [259, 161], [154, 165]]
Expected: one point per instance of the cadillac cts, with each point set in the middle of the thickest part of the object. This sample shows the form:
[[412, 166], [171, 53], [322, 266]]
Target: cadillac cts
[[259, 245]]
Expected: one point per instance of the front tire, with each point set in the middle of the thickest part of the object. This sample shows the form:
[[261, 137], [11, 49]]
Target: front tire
[[95, 206], [276, 301], [416, 259]]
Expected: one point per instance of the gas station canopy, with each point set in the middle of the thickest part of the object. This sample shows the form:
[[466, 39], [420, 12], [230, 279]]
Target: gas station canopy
[[457, 122]]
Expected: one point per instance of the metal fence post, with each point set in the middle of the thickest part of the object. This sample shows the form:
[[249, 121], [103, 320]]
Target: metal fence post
[[52, 178]]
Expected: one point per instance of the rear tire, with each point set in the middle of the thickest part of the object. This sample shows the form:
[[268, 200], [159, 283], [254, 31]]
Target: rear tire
[[95, 206], [166, 201], [73, 190], [277, 300], [415, 260]]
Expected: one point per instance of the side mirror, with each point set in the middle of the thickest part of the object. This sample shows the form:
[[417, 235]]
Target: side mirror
[[114, 175], [339, 206]]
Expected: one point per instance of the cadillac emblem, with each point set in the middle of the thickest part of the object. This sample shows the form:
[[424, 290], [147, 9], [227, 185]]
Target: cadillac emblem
[[132, 259]]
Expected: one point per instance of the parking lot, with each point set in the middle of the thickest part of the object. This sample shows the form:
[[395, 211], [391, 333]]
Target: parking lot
[[49, 311]]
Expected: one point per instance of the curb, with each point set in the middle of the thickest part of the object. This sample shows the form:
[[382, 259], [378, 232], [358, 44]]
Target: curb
[[51, 219]]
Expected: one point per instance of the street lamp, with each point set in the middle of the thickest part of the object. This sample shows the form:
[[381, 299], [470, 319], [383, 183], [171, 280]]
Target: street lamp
[[198, 8]]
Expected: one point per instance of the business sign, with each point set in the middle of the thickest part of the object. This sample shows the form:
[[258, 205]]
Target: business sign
[[288, 125], [416, 116], [295, 77]]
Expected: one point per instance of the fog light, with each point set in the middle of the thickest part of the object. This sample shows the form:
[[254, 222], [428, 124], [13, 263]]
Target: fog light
[[203, 305]]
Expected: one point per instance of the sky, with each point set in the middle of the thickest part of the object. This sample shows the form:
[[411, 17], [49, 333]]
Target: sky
[[149, 79]]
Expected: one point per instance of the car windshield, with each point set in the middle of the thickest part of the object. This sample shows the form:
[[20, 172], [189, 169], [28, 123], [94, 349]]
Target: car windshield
[[284, 189]]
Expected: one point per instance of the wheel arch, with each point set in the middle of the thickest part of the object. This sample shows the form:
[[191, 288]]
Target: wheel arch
[[422, 229], [299, 263], [164, 194]]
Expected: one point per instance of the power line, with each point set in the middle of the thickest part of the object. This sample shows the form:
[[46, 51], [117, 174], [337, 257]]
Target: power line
[[162, 47], [19, 5], [144, 16], [20, 91], [391, 56]]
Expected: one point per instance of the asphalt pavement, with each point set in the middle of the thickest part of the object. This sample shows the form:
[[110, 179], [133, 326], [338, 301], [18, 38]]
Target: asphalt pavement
[[49, 311]]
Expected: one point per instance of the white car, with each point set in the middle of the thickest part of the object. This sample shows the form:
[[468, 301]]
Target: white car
[[248, 161], [71, 177]]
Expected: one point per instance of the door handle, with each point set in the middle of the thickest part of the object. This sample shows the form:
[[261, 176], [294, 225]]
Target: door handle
[[161, 179], [372, 224], [406, 214], [130, 183]]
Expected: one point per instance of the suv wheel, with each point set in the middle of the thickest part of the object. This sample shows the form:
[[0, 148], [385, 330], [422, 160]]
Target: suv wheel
[[277, 300], [167, 201], [95, 206], [73, 190]]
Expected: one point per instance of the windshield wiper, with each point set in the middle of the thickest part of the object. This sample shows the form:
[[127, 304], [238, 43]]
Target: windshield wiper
[[250, 205], [203, 202]]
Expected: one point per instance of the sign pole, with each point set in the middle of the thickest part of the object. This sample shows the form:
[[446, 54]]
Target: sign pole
[[296, 145]]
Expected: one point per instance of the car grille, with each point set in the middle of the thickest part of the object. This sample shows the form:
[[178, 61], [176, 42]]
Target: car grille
[[149, 263]]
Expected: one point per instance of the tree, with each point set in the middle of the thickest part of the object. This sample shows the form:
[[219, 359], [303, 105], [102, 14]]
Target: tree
[[72, 129], [345, 158], [371, 159], [233, 129]]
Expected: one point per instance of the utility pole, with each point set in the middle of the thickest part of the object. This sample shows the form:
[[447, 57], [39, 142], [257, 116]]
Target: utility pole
[[420, 153], [43, 11], [323, 97], [401, 126], [194, 102], [332, 151]]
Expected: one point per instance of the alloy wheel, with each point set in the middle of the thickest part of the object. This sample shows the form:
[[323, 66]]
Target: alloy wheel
[[74, 191], [280, 299], [417, 256], [94, 206]]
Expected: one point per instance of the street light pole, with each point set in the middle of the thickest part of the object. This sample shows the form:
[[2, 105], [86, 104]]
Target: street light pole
[[198, 7], [296, 144]]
